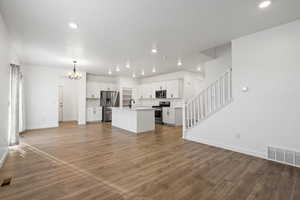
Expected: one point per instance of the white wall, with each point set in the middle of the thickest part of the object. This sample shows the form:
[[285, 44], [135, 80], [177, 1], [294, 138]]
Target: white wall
[[214, 68], [41, 97], [268, 63], [4, 87]]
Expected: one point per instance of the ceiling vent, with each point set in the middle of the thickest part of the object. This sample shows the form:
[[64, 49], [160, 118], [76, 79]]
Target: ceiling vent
[[284, 156]]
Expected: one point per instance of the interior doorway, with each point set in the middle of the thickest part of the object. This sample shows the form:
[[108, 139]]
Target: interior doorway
[[60, 103]]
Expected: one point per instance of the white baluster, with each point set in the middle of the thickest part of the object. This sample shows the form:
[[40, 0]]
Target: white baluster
[[216, 95], [190, 110], [199, 107], [226, 87], [230, 79], [211, 98], [184, 126], [194, 111], [187, 115]]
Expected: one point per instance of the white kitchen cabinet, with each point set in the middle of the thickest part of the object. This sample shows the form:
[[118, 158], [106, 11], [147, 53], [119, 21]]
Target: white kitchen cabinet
[[159, 86], [150, 94], [172, 116], [135, 93], [172, 89], [146, 91], [168, 115], [93, 90], [94, 114], [112, 87], [141, 92]]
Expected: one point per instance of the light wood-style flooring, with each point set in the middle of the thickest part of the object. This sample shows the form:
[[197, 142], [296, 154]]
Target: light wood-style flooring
[[100, 162]]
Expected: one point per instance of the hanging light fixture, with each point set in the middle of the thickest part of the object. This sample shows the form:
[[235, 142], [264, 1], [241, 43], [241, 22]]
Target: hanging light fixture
[[74, 75]]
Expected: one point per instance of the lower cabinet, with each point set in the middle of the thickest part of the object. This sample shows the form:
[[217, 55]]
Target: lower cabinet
[[94, 114], [172, 116]]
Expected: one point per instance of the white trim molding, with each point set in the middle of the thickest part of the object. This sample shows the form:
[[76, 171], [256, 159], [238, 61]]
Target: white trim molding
[[228, 147], [2, 160]]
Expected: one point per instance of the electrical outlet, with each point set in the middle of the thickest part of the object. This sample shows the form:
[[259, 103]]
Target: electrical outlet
[[238, 136]]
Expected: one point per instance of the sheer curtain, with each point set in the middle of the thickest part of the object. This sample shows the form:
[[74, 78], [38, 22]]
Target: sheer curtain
[[14, 112]]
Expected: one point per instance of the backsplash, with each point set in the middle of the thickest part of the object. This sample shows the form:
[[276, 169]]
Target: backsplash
[[154, 102]]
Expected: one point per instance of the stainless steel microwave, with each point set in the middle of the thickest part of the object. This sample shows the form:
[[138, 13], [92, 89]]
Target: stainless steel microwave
[[161, 94]]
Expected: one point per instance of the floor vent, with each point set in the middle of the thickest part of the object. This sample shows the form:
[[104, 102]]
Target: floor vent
[[284, 156], [6, 182]]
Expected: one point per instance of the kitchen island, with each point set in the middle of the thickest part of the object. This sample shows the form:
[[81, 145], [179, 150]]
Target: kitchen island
[[136, 120]]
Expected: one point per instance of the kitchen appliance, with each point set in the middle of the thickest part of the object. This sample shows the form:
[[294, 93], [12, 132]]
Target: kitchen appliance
[[158, 111], [108, 99], [161, 94]]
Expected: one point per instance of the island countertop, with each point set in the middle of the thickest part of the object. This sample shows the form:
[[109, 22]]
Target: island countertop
[[133, 108], [136, 119]]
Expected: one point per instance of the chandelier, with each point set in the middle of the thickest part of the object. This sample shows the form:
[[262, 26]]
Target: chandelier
[[74, 75]]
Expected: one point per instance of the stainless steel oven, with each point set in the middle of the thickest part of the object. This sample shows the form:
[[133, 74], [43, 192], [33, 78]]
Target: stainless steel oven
[[158, 112]]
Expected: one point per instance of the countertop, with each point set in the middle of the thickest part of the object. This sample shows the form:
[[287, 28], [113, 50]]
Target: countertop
[[133, 109]]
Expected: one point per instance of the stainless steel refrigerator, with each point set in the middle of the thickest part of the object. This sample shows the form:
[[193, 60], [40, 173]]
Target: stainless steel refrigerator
[[108, 99]]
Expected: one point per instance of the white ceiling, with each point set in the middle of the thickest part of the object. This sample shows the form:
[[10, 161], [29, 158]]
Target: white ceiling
[[112, 31]]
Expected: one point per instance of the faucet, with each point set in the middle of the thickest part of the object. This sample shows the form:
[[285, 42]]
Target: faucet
[[130, 103]]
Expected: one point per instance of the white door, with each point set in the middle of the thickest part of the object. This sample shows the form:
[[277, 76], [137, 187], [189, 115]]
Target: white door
[[60, 103]]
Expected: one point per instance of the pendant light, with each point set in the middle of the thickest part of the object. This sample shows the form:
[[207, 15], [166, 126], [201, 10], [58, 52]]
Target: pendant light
[[74, 75]]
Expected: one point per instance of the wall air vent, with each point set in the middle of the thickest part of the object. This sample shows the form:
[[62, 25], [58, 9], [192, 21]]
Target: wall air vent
[[284, 156]]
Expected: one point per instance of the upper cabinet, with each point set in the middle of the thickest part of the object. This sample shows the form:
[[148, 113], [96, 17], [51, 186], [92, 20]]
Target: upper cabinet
[[159, 86], [146, 91], [173, 88], [94, 88]]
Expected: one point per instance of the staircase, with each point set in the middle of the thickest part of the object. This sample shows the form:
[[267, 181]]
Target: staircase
[[209, 101]]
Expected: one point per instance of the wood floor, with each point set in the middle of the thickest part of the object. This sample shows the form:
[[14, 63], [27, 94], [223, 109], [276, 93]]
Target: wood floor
[[100, 162]]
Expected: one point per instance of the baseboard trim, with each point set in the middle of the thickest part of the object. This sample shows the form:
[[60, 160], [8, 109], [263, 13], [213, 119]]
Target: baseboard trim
[[228, 147], [3, 159], [68, 121], [37, 129]]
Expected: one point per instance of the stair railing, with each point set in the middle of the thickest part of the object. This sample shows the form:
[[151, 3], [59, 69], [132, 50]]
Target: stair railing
[[216, 96]]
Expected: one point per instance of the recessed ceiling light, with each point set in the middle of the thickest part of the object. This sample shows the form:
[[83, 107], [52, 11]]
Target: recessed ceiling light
[[264, 4], [109, 72], [73, 25], [117, 68], [154, 50], [199, 69], [143, 73], [133, 75], [179, 63], [153, 70], [127, 65]]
